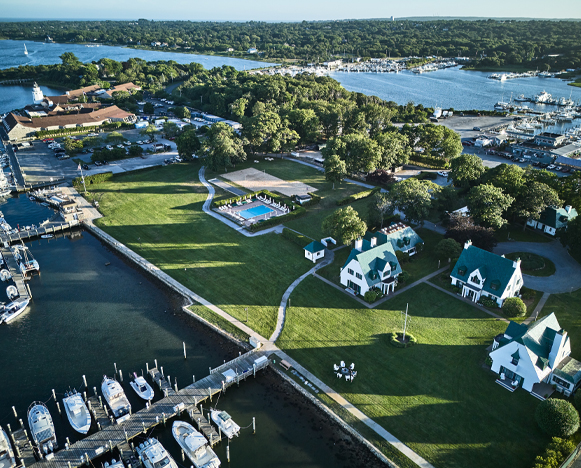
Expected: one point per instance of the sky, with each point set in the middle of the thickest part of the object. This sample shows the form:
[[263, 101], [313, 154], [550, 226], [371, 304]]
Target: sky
[[287, 10]]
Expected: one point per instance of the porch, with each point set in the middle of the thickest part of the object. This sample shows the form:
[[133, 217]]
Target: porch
[[542, 390], [470, 292]]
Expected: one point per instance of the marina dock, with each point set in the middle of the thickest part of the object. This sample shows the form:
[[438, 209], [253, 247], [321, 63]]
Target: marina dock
[[23, 289], [22, 444], [186, 400], [48, 228]]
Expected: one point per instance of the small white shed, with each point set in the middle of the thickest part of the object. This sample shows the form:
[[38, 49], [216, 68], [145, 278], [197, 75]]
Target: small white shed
[[314, 251]]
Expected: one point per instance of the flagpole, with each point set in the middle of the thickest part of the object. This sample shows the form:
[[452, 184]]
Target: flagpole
[[83, 178]]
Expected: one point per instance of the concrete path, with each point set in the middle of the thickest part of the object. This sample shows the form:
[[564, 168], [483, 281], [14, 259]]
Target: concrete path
[[567, 277], [538, 309], [206, 208], [329, 257]]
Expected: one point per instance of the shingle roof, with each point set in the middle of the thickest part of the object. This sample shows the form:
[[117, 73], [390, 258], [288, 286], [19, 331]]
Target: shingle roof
[[492, 266], [373, 260], [96, 117], [569, 369], [402, 237], [539, 336], [314, 246], [557, 217]]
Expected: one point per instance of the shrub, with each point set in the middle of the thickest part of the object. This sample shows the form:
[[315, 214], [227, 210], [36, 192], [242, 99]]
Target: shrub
[[296, 238], [447, 248], [487, 302], [395, 337], [372, 295], [555, 453], [423, 175], [93, 179], [402, 257], [403, 277], [558, 418], [514, 307], [315, 199], [357, 196], [577, 400], [429, 162]]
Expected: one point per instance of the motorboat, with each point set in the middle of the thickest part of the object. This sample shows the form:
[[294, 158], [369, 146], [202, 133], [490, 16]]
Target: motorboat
[[13, 310], [27, 264], [154, 455], [7, 459], [116, 399], [42, 428], [12, 292], [543, 97], [194, 445], [142, 388], [77, 412], [114, 464], [225, 422], [522, 98]]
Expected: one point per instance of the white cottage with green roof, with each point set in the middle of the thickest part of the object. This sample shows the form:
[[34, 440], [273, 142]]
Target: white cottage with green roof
[[479, 273], [527, 356], [553, 218]]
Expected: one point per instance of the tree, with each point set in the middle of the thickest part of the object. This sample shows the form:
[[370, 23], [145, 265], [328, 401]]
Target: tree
[[344, 225], [394, 149], [360, 153], [135, 150], [170, 129], [381, 205], [463, 229], [150, 131], [412, 197], [465, 170], [514, 307], [181, 112], [447, 248], [148, 108], [72, 146], [535, 197], [509, 177], [114, 138], [188, 144], [69, 59], [306, 123], [335, 169], [487, 204], [571, 236], [556, 417], [223, 147]]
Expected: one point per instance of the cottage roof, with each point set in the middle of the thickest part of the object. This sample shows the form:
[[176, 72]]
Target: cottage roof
[[569, 369], [373, 260], [538, 337], [497, 270], [402, 237], [314, 246], [557, 217]]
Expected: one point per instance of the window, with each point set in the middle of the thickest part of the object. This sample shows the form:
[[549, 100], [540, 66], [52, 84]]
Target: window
[[350, 271], [358, 276], [462, 271], [475, 279], [561, 382], [386, 274], [514, 362]]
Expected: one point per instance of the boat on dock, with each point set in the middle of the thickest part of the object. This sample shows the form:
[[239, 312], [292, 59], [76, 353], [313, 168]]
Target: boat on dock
[[77, 412], [116, 399], [142, 388], [114, 464], [154, 455], [7, 459], [194, 445], [225, 422], [10, 311], [42, 428], [27, 264]]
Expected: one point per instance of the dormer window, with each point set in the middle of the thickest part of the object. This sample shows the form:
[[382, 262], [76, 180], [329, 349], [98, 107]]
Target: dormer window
[[515, 358], [462, 270], [475, 279], [495, 285]]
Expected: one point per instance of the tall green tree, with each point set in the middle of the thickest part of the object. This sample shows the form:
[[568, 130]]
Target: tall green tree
[[360, 153], [394, 149], [344, 225], [223, 147], [466, 170], [535, 197], [412, 197], [487, 205], [188, 144], [335, 169]]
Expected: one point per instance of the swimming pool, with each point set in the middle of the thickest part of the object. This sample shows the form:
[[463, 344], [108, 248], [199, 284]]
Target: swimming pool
[[255, 211]]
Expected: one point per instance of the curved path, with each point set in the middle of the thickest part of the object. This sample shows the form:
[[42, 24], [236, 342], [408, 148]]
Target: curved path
[[567, 277]]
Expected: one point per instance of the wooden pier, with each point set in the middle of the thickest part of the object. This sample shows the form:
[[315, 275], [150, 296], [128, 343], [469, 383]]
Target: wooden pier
[[24, 449], [17, 277], [184, 401], [49, 228], [99, 411]]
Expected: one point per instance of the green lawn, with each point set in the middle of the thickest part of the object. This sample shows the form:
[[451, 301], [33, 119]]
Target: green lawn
[[436, 396], [567, 308], [158, 214], [310, 224], [533, 264], [515, 232]]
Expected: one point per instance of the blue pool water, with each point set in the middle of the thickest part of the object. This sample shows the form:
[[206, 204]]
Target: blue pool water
[[256, 211]]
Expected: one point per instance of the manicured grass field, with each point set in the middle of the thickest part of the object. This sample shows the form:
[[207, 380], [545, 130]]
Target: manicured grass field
[[567, 308], [533, 264], [158, 214], [435, 396], [516, 233]]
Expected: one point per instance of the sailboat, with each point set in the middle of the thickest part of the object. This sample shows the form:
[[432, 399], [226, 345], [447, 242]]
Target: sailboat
[[25, 51]]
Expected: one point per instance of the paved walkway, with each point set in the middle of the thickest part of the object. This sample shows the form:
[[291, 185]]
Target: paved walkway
[[567, 278], [329, 257], [538, 309]]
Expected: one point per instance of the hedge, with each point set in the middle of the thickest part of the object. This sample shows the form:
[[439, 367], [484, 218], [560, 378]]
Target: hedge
[[429, 162], [229, 201], [557, 418], [555, 453], [94, 179], [296, 238], [259, 226], [315, 199], [357, 196], [427, 175], [393, 340]]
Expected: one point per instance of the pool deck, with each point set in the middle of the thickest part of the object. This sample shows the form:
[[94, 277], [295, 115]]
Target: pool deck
[[237, 209]]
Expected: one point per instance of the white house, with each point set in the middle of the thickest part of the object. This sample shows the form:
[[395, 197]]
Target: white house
[[553, 218], [314, 251], [401, 236], [480, 273], [528, 356], [252, 50]]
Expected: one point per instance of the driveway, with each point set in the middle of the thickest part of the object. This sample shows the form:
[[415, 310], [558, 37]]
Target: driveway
[[567, 277]]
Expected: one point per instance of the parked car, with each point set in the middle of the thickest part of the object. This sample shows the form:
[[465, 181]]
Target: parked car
[[105, 162], [477, 129], [120, 146], [551, 166], [139, 142], [443, 173], [558, 168], [48, 140], [109, 147], [565, 169], [98, 163], [63, 156], [86, 167]]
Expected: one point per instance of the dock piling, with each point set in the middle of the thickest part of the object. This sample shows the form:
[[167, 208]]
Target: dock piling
[[228, 452], [85, 381], [58, 407], [210, 393], [68, 441], [85, 396], [183, 456], [115, 364], [161, 369], [120, 375], [253, 425], [53, 394], [95, 390], [185, 355], [14, 410], [194, 377], [21, 423], [155, 360]]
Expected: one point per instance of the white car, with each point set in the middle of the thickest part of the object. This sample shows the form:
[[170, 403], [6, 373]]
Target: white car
[[141, 103], [120, 146], [139, 142], [443, 173], [178, 159], [551, 166], [109, 147], [92, 134]]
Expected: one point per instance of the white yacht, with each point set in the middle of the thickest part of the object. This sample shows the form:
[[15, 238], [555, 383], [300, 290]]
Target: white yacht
[[27, 264], [225, 422], [142, 388], [25, 50], [7, 459], [154, 455], [42, 428], [543, 97], [194, 445], [522, 98], [77, 412], [116, 399], [10, 311]]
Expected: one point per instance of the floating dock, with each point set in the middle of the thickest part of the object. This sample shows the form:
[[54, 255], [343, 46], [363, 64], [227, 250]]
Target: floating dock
[[50, 228], [175, 403], [24, 449], [23, 290]]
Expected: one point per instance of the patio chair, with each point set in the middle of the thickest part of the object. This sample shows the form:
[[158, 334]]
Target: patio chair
[[342, 363], [335, 367], [353, 374], [347, 378], [352, 366], [339, 375]]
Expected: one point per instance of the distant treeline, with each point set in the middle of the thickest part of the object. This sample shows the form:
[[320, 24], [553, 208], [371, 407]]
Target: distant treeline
[[491, 43]]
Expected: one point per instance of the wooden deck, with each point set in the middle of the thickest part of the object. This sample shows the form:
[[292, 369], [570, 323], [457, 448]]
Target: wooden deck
[[24, 449], [184, 401], [50, 228]]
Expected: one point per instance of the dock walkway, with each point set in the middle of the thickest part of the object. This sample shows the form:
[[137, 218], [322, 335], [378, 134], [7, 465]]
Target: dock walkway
[[49, 228], [175, 403], [23, 290]]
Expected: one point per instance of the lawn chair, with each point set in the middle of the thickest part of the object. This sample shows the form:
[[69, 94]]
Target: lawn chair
[[352, 366], [335, 367], [339, 375], [342, 363], [347, 378]]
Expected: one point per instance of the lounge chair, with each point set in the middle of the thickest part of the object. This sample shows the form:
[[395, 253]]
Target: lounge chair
[[342, 363], [352, 366], [335, 367]]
